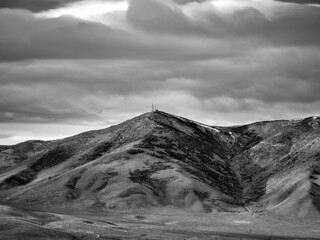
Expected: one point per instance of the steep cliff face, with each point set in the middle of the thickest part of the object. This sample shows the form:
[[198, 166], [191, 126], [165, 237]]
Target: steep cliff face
[[159, 159]]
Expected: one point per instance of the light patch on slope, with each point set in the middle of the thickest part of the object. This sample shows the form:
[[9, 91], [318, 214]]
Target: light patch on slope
[[242, 221], [296, 119], [208, 127], [233, 138], [198, 123], [172, 223]]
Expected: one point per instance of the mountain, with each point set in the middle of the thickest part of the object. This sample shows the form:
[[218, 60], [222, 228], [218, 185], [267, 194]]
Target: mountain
[[162, 160]]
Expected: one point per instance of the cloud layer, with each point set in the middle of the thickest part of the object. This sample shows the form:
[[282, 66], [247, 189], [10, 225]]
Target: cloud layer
[[220, 64], [301, 1], [34, 5]]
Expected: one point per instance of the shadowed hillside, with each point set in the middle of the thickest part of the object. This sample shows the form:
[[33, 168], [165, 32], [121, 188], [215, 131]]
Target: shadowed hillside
[[162, 160]]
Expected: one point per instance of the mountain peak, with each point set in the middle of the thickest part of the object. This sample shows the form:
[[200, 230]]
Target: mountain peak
[[160, 159]]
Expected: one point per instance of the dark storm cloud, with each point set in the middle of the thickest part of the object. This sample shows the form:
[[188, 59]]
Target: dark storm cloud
[[295, 28], [284, 75], [34, 5], [25, 37], [299, 27], [209, 36], [301, 1]]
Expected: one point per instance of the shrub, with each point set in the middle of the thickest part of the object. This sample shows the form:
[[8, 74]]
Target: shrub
[[140, 176], [135, 151], [72, 182], [99, 150], [105, 181], [143, 176], [93, 153], [175, 155], [131, 191], [201, 195], [73, 194], [52, 158], [21, 178]]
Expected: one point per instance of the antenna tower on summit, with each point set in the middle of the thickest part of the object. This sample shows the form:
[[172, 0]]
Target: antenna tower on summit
[[154, 108]]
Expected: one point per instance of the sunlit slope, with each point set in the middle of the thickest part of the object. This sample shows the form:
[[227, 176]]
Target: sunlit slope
[[162, 160]]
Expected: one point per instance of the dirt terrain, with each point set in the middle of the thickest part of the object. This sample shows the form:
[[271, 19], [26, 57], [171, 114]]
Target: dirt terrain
[[161, 176], [152, 224]]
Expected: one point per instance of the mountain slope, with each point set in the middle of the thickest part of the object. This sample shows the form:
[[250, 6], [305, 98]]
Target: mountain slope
[[159, 159]]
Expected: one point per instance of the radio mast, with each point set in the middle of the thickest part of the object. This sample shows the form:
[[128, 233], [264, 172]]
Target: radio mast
[[153, 108]]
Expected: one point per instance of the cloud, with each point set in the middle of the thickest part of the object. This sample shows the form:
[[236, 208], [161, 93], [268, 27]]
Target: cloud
[[295, 27], [159, 17], [209, 35], [90, 10], [34, 5], [26, 37], [300, 1], [3, 135], [189, 57], [189, 1], [51, 91]]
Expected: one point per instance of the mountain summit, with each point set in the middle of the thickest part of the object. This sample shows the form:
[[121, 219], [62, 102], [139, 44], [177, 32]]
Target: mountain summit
[[162, 160]]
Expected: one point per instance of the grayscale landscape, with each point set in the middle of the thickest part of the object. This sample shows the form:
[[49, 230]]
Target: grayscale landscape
[[162, 176], [159, 119]]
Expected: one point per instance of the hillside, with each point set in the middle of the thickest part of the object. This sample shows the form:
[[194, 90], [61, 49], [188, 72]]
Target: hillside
[[166, 161]]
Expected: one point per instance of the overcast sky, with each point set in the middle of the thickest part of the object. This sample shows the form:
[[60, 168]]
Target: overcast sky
[[71, 66]]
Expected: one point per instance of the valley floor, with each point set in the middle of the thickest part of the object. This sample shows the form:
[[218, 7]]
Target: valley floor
[[18, 223]]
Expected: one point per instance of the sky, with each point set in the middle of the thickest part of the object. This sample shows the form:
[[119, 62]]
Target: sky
[[72, 66]]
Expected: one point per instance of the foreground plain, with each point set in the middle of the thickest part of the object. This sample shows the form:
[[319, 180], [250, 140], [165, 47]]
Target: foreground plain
[[18, 223]]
